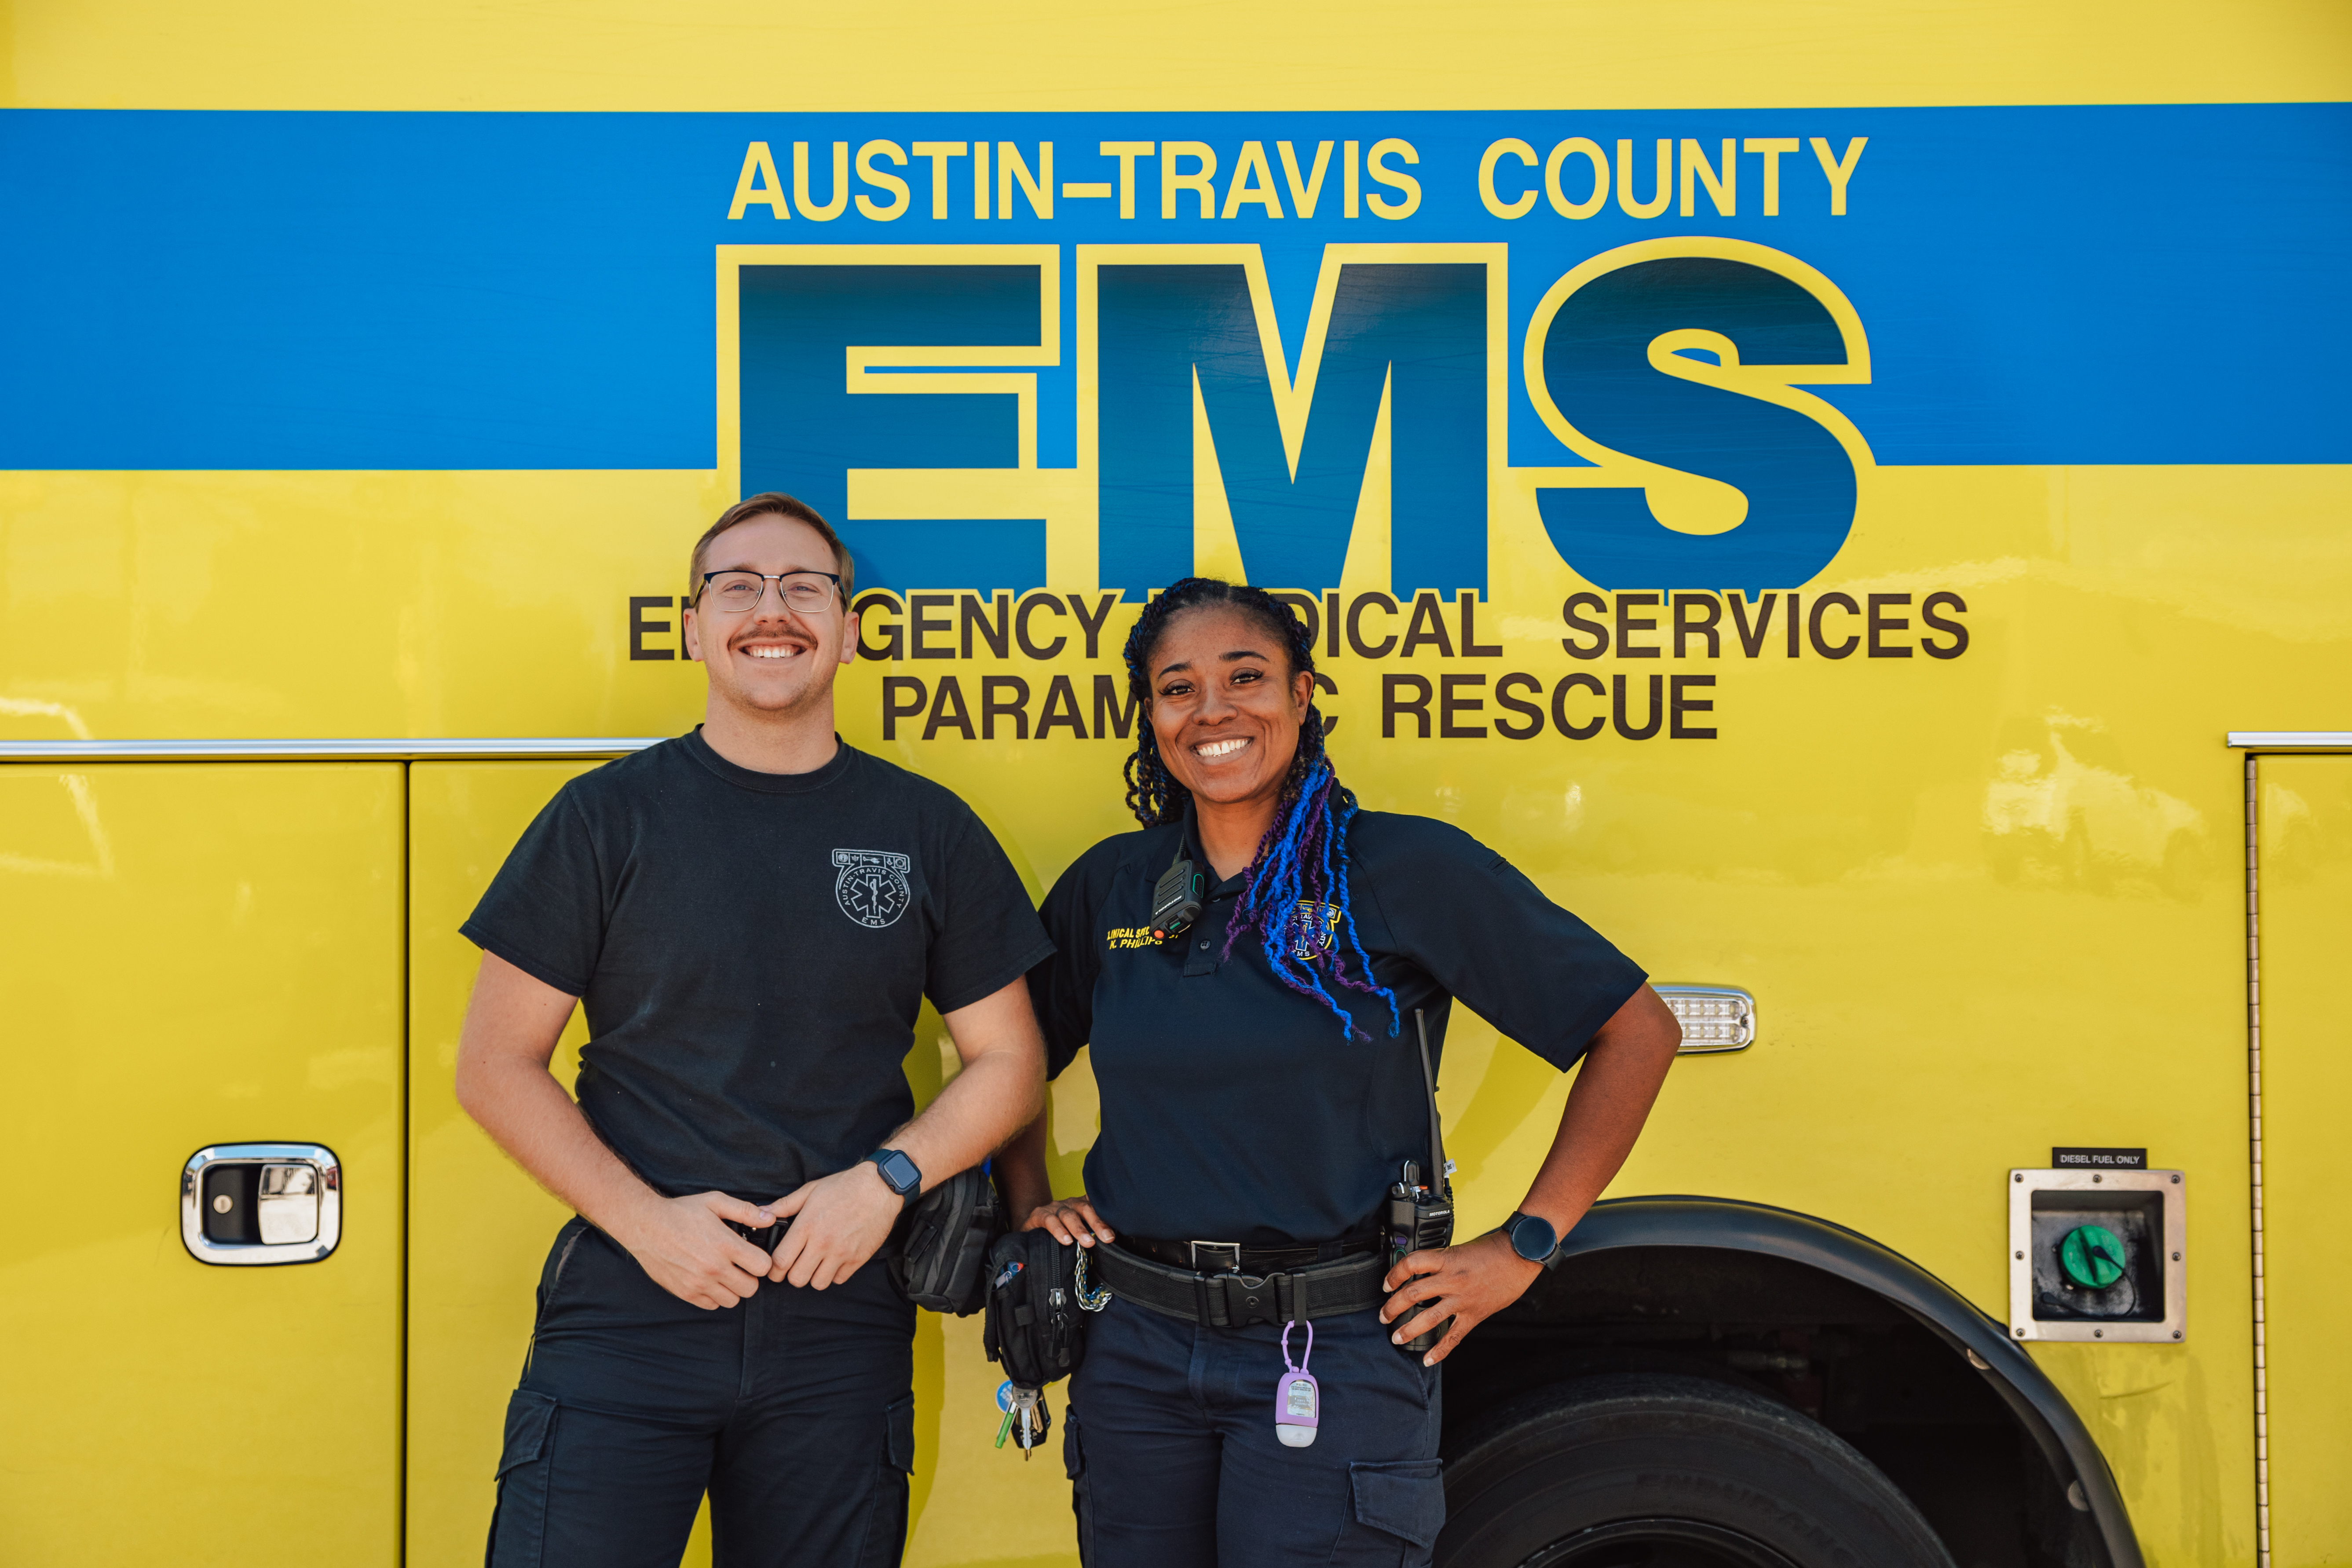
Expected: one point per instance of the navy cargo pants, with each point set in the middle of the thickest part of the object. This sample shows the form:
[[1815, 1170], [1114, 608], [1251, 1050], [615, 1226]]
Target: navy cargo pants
[[794, 1410], [1175, 1463]]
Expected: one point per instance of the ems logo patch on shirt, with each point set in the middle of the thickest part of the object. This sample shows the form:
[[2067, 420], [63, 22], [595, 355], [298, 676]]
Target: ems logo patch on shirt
[[872, 886], [1312, 925]]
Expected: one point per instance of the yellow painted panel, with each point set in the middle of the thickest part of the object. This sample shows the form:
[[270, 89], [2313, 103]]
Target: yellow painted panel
[[1218, 55], [340, 603], [194, 955], [479, 1228], [490, 603], [1989, 905], [2305, 816]]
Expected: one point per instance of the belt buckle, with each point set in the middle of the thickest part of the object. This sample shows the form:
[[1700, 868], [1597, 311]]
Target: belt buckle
[[1251, 1300], [1216, 1256]]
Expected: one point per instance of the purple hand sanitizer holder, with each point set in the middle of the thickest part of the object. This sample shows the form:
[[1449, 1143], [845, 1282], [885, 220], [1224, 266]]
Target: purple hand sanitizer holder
[[1297, 1402]]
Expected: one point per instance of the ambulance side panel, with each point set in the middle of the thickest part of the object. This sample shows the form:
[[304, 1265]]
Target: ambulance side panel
[[479, 1226], [2303, 815], [191, 956]]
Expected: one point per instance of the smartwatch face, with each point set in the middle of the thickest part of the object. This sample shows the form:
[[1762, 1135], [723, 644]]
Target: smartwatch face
[[900, 1172], [1533, 1238]]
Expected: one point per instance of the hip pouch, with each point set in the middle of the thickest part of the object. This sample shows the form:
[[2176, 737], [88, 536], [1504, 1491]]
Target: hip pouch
[[943, 1264], [1036, 1323]]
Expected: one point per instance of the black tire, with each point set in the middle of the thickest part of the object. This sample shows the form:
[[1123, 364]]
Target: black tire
[[1647, 1471]]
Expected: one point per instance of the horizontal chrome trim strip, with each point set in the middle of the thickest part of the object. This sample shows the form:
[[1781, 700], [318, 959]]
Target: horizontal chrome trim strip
[[554, 748], [2291, 739], [561, 747]]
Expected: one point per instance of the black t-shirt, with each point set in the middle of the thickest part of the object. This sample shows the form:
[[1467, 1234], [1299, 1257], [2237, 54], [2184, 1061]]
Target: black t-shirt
[[1233, 1108], [752, 950]]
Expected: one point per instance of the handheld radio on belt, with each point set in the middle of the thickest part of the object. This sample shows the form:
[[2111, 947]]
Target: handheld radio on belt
[[1421, 1212]]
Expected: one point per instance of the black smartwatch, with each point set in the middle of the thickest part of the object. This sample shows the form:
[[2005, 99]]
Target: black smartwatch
[[1533, 1238], [905, 1177]]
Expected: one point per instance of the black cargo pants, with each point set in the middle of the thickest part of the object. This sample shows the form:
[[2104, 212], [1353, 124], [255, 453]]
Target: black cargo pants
[[794, 1410], [1169, 1436]]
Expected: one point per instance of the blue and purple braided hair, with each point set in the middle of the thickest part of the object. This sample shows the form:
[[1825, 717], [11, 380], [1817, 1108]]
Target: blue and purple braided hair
[[1295, 893]]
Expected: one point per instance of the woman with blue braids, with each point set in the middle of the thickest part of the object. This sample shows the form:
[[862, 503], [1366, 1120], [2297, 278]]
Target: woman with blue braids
[[1252, 971]]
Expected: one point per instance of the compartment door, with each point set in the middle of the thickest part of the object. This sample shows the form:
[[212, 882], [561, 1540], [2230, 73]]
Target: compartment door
[[479, 1226], [2305, 817], [191, 956]]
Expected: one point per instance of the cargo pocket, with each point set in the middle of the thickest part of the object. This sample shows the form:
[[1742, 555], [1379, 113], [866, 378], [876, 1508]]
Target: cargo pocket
[[900, 1444], [886, 1518], [1398, 1509], [519, 1522]]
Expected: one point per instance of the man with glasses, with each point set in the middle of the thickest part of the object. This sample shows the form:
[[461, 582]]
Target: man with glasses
[[751, 915]]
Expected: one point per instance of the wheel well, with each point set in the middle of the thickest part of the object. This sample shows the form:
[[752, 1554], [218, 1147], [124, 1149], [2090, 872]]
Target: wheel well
[[1825, 1345]]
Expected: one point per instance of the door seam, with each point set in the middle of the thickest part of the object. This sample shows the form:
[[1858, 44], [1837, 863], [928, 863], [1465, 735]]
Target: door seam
[[2255, 1156], [407, 1174]]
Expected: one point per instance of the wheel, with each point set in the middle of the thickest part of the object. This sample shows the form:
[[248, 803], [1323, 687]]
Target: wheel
[[1648, 1470]]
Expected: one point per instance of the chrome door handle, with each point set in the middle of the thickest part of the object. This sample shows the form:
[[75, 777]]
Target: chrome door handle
[[261, 1203]]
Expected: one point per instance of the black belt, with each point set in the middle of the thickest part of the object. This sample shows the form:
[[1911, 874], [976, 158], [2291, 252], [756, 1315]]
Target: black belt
[[1232, 1300], [1232, 1257]]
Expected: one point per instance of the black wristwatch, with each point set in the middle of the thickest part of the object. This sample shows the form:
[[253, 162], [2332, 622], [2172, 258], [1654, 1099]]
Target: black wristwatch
[[1533, 1238], [905, 1177]]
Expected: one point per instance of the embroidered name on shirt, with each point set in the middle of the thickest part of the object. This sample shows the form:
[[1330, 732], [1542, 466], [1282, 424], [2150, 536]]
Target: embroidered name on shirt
[[872, 885], [1123, 939]]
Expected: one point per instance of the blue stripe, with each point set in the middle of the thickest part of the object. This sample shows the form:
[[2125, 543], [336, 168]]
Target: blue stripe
[[311, 290]]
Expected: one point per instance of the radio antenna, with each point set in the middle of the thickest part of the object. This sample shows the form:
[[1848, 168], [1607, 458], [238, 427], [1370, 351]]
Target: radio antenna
[[1440, 1183]]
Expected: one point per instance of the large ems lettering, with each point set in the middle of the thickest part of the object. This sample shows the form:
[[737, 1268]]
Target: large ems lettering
[[1688, 362], [1671, 367], [1415, 332], [805, 429]]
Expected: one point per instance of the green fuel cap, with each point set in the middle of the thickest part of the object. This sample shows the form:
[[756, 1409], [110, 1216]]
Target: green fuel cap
[[2092, 1256]]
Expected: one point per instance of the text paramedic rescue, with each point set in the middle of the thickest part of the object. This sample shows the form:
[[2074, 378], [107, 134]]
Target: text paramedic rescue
[[1576, 178], [1444, 704]]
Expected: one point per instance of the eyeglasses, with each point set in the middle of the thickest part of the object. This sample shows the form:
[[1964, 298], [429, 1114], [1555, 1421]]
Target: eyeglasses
[[738, 592]]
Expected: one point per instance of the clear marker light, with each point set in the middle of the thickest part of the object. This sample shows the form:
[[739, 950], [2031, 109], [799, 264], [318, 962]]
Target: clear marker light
[[1713, 1018]]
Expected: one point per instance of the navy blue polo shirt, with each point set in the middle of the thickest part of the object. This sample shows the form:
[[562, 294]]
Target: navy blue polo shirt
[[1234, 1109], [752, 951]]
